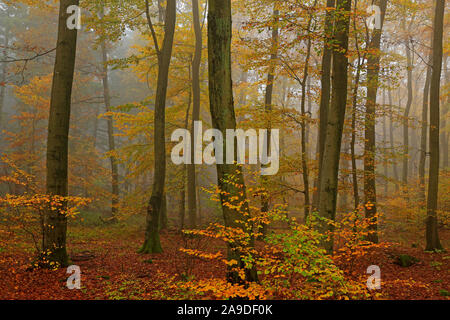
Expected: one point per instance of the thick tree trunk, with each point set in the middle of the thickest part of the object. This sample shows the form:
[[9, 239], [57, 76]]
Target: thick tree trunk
[[55, 222], [223, 118], [325, 95], [111, 141], [155, 208], [373, 69], [432, 236], [335, 122], [191, 184]]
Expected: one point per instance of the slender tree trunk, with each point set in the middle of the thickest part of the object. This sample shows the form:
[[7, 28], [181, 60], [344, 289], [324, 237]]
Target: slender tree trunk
[[385, 163], [354, 113], [335, 123], [325, 95], [3, 77], [152, 242], [432, 236], [195, 112], [304, 123], [391, 135], [55, 221], [95, 130], [444, 132], [268, 105], [223, 118], [409, 67], [423, 132], [111, 141], [182, 212]]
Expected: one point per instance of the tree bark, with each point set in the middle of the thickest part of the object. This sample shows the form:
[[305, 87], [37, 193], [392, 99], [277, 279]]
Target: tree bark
[[409, 68], [191, 184], [423, 132], [373, 69], [325, 80], [268, 105], [223, 118], [335, 123], [111, 140], [305, 169], [3, 77], [54, 221], [391, 134], [432, 237], [152, 242]]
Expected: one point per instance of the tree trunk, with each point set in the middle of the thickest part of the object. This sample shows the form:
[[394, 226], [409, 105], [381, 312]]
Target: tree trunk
[[385, 163], [152, 242], [335, 123], [325, 80], [391, 135], [3, 77], [432, 236], [223, 118], [55, 222], [373, 69], [444, 133], [354, 113], [423, 133], [409, 67], [304, 123], [195, 112], [268, 105], [111, 141]]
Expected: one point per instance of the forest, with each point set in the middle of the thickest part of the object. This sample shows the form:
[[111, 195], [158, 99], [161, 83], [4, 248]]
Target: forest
[[224, 150]]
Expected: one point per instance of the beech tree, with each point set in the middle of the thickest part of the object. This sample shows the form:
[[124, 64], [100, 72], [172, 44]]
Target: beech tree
[[155, 206], [373, 69], [328, 171], [223, 118], [432, 237], [54, 221]]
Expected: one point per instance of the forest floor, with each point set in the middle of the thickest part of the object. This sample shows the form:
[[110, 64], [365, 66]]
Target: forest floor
[[111, 268]]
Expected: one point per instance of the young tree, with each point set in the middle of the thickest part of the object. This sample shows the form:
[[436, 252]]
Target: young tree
[[54, 221], [268, 100], [432, 236], [191, 185], [111, 140], [423, 131], [223, 118], [155, 206], [335, 124]]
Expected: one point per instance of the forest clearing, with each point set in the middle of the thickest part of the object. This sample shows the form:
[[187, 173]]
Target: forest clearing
[[224, 150]]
